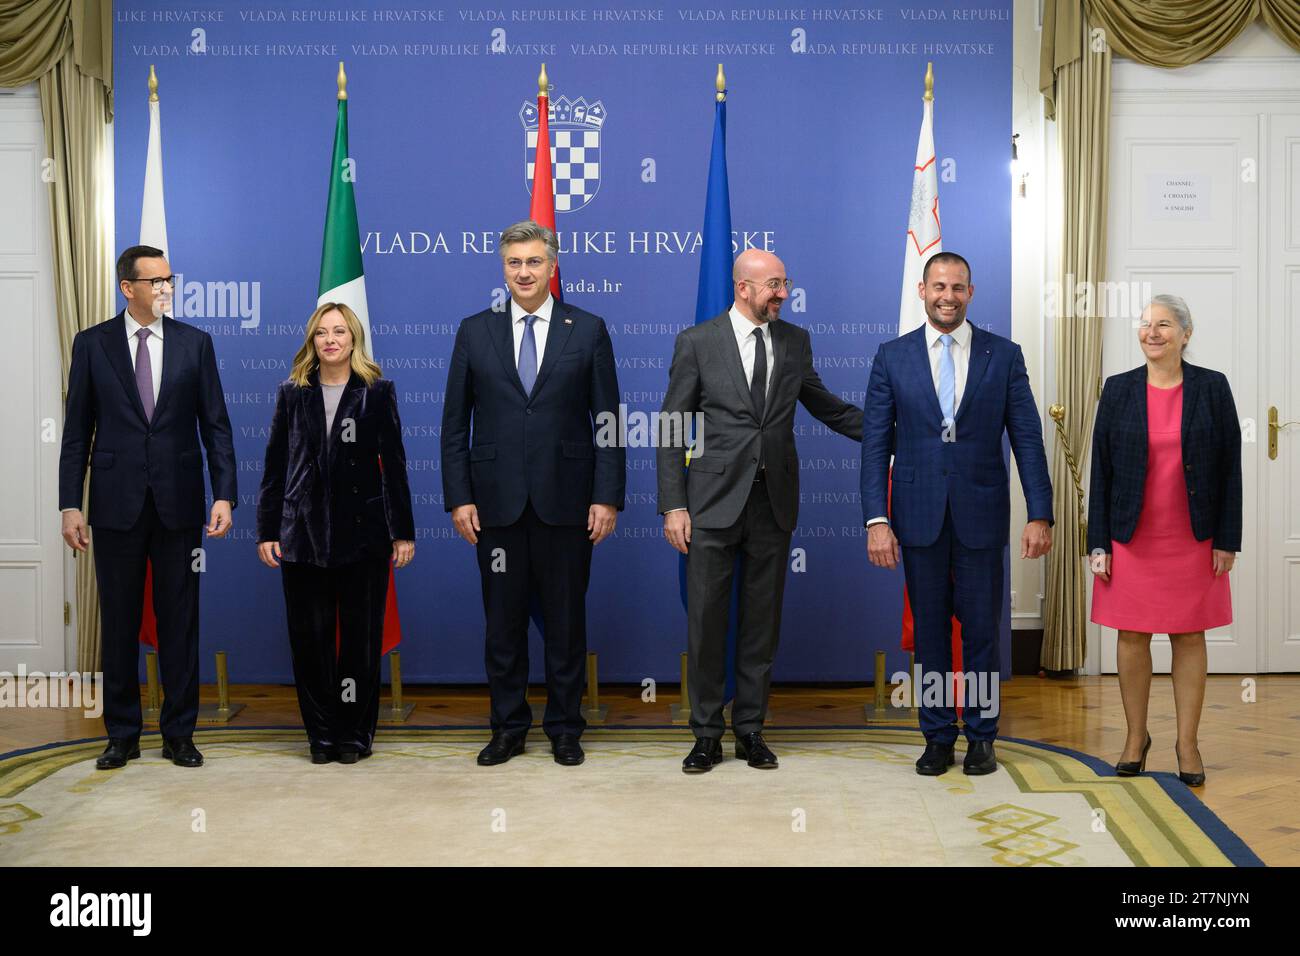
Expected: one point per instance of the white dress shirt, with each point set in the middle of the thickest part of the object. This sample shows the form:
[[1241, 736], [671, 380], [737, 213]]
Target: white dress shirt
[[540, 327], [744, 330], [155, 345], [960, 364]]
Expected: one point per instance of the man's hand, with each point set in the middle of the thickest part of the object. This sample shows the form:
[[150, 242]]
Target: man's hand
[[601, 520], [677, 529], [403, 553], [1223, 561], [220, 523], [1037, 539], [882, 546], [465, 520], [75, 532], [268, 551]]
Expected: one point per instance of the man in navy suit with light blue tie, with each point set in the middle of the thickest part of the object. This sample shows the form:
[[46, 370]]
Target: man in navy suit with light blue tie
[[939, 399]]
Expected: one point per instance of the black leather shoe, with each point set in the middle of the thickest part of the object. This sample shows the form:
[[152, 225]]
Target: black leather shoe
[[117, 753], [1131, 768], [348, 756], [567, 750], [501, 748], [751, 747], [323, 754], [936, 760], [980, 758], [1191, 779], [182, 752], [706, 753]]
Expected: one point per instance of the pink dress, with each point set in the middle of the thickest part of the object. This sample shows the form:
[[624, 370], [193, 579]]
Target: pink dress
[[1163, 580]]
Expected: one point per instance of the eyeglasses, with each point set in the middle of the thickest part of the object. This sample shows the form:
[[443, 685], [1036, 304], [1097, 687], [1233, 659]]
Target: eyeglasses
[[774, 285], [157, 283], [534, 263]]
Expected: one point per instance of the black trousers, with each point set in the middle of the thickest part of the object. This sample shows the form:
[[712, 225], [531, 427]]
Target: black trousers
[[338, 693], [521, 564], [120, 559], [710, 566]]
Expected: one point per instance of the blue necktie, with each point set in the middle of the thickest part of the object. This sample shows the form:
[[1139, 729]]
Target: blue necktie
[[528, 355], [947, 381]]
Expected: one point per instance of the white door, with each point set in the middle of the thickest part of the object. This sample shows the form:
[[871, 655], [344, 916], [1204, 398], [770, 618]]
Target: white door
[[31, 389], [1279, 596]]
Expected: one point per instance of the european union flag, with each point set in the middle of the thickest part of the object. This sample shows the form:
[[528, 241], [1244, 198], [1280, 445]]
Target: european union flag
[[715, 295]]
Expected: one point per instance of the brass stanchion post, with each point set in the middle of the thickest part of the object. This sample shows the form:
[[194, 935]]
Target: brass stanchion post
[[881, 710], [595, 711], [224, 710], [680, 713], [153, 706], [397, 711]]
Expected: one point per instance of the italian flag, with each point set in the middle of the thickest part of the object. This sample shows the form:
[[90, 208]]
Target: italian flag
[[342, 280], [341, 276]]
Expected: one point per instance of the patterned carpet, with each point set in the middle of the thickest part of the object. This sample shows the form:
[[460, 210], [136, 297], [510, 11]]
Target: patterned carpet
[[844, 796]]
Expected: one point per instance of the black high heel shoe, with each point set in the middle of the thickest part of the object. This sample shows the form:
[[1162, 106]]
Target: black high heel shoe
[[1131, 768], [1191, 779]]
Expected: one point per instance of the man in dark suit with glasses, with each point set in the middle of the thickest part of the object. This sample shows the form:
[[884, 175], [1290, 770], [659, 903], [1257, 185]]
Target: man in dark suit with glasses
[[143, 391]]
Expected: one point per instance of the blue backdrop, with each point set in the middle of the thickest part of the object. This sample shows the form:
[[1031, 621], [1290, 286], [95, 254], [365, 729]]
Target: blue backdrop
[[823, 110]]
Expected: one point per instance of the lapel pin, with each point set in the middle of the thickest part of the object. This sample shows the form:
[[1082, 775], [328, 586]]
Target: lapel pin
[[568, 321]]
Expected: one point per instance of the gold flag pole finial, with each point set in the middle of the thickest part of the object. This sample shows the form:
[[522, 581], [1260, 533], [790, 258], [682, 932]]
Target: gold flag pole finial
[[153, 85], [543, 83], [721, 83], [929, 83], [343, 82]]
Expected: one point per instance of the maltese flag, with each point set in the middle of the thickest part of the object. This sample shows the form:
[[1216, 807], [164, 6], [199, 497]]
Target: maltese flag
[[924, 238]]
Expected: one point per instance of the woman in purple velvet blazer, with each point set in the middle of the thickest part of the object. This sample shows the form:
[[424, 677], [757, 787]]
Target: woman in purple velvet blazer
[[335, 509]]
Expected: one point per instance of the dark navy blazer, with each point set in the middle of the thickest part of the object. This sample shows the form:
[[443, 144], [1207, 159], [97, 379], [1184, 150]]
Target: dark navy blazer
[[967, 474], [132, 454], [537, 447], [1211, 444]]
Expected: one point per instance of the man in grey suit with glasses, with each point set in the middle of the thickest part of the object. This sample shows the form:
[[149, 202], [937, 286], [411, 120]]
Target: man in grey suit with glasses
[[740, 494]]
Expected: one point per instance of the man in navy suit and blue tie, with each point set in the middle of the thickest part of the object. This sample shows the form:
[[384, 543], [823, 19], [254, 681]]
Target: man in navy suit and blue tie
[[529, 486], [143, 389], [939, 399]]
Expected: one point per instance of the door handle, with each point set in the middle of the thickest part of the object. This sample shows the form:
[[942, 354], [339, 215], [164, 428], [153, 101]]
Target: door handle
[[1274, 426]]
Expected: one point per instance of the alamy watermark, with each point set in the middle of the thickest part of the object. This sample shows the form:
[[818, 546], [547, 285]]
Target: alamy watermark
[[55, 689], [636, 429], [969, 689], [218, 300]]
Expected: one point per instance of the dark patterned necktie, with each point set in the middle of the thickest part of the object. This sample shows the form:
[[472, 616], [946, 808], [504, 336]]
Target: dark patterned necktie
[[758, 384]]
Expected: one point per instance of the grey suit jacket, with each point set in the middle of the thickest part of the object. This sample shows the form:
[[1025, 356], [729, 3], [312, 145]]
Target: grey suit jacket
[[707, 377]]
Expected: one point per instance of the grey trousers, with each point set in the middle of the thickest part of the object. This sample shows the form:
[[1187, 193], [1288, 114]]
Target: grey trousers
[[764, 549]]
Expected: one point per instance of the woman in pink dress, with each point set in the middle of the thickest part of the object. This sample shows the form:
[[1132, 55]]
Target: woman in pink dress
[[1164, 523]]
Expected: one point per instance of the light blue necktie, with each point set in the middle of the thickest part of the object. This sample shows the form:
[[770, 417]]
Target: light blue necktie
[[947, 381], [528, 355]]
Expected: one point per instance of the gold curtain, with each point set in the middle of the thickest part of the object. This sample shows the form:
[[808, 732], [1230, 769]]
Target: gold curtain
[[1082, 123], [67, 47], [1165, 33]]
